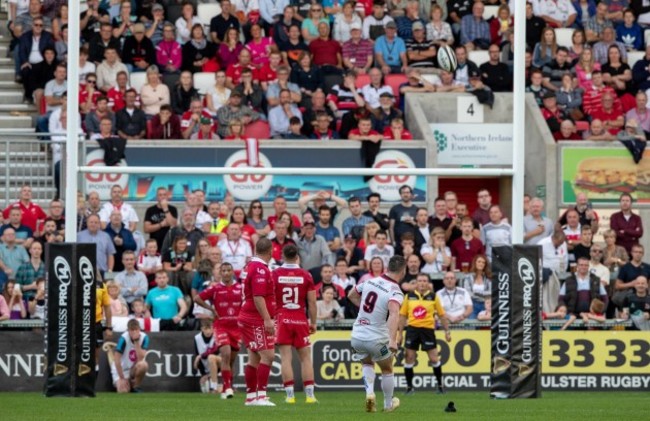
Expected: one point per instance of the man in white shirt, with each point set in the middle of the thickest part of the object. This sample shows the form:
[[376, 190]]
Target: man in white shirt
[[234, 249], [555, 254], [380, 249], [456, 301], [129, 216], [108, 69], [280, 115], [556, 13], [536, 226], [596, 266]]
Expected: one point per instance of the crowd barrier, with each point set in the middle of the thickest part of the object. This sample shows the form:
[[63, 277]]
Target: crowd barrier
[[572, 360]]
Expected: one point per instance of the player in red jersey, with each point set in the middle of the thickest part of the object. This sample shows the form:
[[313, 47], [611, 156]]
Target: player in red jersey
[[226, 299], [295, 293], [256, 324]]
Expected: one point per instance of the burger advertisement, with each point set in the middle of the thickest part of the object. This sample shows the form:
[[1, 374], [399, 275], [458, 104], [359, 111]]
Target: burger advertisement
[[603, 174]]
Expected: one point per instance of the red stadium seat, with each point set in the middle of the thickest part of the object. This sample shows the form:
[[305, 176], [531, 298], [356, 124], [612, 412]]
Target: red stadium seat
[[42, 107], [149, 128], [394, 81], [582, 126], [362, 80], [258, 130]]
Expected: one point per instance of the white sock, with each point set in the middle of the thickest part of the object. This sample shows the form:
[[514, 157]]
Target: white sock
[[369, 378], [388, 386], [261, 394], [289, 390], [309, 391], [250, 396], [213, 385]]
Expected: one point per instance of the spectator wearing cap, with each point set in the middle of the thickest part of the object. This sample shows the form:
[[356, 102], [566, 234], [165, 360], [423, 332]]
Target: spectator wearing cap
[[495, 74], [234, 109], [420, 51], [280, 115], [415, 83], [190, 119], [357, 51], [344, 22], [165, 125], [169, 54], [206, 130], [632, 131], [390, 51], [156, 25], [353, 255], [385, 113], [319, 105], [474, 30], [138, 52], [405, 24], [551, 112], [313, 249]]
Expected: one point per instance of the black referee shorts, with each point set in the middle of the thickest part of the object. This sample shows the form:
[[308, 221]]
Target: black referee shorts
[[99, 334], [420, 338]]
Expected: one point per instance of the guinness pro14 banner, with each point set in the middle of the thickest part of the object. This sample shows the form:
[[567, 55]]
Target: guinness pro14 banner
[[70, 319], [516, 322]]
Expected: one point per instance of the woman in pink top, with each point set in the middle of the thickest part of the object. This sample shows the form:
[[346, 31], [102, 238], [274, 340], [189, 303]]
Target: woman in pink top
[[229, 49], [585, 67], [260, 47]]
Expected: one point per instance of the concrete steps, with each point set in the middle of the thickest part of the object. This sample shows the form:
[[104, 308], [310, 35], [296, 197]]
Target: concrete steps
[[8, 122]]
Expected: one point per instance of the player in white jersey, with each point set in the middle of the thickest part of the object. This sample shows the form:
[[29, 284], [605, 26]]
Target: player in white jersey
[[374, 333], [128, 366]]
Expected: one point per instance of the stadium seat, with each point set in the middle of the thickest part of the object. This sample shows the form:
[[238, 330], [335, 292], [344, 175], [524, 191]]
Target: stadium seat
[[563, 37], [203, 81], [490, 11], [479, 57], [634, 56], [582, 125], [138, 80], [395, 81], [149, 128], [362, 80], [205, 12], [258, 130]]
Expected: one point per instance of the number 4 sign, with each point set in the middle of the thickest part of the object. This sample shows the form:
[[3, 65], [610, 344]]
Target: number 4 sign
[[469, 110]]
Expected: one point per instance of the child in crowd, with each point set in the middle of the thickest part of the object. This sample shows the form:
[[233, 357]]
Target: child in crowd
[[396, 131], [139, 311], [149, 261], [295, 127], [486, 314], [205, 361], [119, 308]]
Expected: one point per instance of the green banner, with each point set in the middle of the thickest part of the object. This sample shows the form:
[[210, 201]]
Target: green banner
[[603, 173]]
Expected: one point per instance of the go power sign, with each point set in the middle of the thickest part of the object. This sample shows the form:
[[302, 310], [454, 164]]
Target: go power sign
[[580, 360]]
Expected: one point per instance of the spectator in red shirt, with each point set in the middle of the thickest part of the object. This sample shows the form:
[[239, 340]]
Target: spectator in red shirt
[[611, 117], [115, 95], [88, 94], [31, 212], [551, 112], [327, 53], [280, 207], [233, 73], [191, 117], [357, 52], [269, 72], [280, 239], [396, 131], [567, 132], [592, 98], [165, 125]]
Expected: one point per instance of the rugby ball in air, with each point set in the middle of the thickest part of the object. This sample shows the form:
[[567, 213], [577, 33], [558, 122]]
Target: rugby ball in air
[[447, 58]]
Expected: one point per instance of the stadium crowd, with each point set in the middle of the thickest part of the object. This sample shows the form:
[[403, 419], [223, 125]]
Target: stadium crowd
[[162, 276]]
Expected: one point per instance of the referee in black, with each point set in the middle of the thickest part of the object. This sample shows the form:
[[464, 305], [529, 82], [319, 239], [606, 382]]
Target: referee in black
[[418, 316]]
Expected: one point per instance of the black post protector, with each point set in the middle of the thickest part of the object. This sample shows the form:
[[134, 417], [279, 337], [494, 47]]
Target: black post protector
[[70, 336], [516, 322]]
